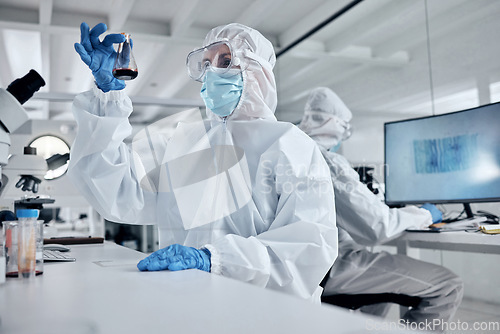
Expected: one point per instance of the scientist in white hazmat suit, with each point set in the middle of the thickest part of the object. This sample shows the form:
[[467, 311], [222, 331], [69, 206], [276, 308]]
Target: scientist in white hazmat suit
[[231, 195], [363, 220]]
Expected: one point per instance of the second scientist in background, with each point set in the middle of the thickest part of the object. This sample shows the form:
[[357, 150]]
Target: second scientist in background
[[363, 220]]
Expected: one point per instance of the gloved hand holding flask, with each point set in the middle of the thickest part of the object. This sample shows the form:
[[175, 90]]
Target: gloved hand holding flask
[[176, 257], [100, 56]]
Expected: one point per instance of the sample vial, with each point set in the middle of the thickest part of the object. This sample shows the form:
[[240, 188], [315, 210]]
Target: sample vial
[[10, 233], [30, 243], [125, 67]]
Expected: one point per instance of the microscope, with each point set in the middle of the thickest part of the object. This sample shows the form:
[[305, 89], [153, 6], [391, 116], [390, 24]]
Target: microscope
[[25, 171]]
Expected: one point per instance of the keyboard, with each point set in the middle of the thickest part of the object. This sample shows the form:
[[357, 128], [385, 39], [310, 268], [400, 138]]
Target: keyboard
[[459, 225], [56, 256]]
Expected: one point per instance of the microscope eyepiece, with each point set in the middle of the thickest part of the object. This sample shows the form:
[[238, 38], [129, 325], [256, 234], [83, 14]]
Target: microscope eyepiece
[[24, 88]]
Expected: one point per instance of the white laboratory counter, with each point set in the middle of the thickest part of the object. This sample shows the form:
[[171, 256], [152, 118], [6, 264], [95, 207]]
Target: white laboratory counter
[[476, 242], [103, 292]]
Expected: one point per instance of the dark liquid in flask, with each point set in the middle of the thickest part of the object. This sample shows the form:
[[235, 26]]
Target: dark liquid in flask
[[125, 74]]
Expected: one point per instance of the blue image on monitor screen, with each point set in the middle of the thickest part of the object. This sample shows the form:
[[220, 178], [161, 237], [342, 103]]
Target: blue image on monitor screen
[[443, 155], [451, 157]]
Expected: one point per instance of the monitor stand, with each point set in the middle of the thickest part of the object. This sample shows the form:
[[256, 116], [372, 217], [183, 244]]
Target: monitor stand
[[468, 210]]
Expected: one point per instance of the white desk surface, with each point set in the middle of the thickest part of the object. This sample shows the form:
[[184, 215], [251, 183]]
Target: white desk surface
[[477, 242], [103, 292]]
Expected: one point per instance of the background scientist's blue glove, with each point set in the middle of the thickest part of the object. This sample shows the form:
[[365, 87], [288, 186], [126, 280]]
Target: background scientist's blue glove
[[176, 257], [437, 216], [100, 56]]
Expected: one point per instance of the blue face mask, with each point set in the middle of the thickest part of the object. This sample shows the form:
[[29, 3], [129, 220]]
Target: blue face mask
[[335, 148], [221, 94]]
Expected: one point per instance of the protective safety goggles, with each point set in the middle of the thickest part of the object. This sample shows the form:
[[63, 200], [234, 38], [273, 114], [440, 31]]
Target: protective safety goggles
[[321, 118], [218, 57]]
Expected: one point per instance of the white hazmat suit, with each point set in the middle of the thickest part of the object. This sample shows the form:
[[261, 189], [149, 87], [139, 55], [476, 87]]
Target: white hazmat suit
[[243, 186], [363, 220]]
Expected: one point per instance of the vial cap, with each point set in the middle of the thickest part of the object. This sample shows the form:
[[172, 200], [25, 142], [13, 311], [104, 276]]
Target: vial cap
[[27, 213]]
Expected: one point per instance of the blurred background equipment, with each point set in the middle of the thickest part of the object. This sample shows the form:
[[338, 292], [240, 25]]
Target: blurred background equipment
[[26, 170], [366, 176]]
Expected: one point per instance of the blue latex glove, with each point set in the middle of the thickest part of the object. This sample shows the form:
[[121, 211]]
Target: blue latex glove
[[437, 216], [100, 56], [176, 257]]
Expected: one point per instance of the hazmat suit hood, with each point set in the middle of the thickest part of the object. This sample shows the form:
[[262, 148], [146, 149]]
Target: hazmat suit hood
[[326, 118], [257, 58]]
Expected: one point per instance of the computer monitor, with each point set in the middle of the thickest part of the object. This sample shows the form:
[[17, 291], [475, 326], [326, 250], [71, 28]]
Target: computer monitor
[[447, 158]]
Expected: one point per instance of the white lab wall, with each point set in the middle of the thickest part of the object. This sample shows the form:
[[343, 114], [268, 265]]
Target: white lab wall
[[366, 145]]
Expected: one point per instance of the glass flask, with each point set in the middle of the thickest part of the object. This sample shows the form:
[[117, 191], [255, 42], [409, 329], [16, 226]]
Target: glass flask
[[125, 67]]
